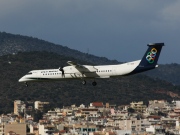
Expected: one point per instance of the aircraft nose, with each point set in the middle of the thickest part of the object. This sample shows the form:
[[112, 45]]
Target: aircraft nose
[[21, 79]]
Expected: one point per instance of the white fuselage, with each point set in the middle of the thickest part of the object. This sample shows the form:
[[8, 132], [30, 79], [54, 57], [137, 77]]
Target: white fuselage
[[77, 71], [70, 72]]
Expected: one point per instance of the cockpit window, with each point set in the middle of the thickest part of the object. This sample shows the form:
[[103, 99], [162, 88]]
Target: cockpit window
[[30, 73]]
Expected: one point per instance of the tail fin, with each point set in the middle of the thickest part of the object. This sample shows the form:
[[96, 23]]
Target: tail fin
[[150, 58]]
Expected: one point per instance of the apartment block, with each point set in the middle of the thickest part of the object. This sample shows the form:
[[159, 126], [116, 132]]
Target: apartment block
[[17, 128], [138, 106], [40, 105], [19, 107]]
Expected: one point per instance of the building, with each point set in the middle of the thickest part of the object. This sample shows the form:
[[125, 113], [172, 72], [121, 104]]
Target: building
[[85, 128], [18, 128], [90, 112], [19, 107], [40, 105], [156, 129], [1, 128], [97, 104], [156, 106], [138, 106]]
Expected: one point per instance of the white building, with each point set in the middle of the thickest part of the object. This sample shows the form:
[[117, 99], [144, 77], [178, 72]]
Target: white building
[[40, 105], [19, 107], [46, 129]]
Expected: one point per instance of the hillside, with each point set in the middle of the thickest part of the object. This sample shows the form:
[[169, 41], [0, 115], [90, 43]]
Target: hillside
[[168, 72], [10, 43], [117, 90]]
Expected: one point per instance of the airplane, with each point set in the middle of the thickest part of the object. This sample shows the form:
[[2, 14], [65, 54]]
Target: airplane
[[83, 72]]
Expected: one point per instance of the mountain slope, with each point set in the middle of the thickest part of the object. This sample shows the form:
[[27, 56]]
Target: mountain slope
[[10, 43], [118, 91], [168, 72]]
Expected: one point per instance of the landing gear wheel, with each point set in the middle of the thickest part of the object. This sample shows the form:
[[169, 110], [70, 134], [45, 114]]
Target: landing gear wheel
[[26, 84], [94, 83], [84, 82]]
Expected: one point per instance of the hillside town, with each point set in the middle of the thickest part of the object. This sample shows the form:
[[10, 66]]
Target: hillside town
[[159, 117]]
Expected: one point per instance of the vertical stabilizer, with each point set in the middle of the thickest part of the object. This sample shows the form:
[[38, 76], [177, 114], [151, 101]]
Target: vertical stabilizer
[[150, 58]]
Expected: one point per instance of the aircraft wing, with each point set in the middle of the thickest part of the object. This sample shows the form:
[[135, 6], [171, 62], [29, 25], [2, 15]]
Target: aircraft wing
[[75, 64], [82, 68]]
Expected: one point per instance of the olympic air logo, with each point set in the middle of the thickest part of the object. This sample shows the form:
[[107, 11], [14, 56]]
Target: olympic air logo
[[151, 55]]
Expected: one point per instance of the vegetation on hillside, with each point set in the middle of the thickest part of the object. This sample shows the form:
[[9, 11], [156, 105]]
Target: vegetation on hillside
[[118, 91], [10, 43], [168, 72]]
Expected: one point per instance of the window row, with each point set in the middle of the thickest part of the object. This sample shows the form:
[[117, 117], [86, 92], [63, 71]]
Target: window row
[[104, 71], [53, 74]]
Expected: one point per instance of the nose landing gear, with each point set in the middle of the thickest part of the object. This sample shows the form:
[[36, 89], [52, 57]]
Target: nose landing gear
[[26, 84]]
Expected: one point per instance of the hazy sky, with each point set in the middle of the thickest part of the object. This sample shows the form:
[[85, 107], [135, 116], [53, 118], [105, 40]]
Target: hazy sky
[[116, 29]]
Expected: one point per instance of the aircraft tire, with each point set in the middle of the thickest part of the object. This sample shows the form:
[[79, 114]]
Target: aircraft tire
[[84, 82], [94, 83], [26, 84]]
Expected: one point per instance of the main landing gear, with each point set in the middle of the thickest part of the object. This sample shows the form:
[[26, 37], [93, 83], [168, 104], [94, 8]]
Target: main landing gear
[[94, 83], [84, 82]]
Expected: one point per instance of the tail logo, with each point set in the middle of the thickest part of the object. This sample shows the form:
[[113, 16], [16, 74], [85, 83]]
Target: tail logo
[[151, 55]]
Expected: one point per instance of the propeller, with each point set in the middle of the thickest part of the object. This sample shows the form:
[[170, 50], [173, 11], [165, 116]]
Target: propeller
[[62, 71]]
